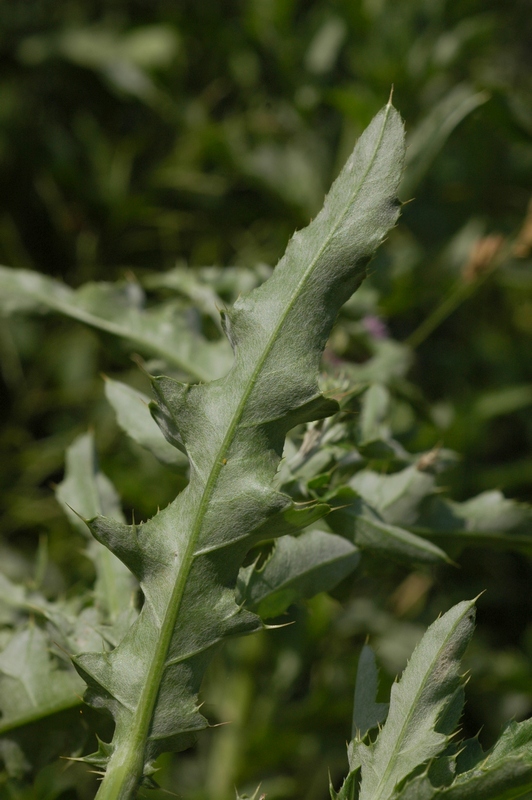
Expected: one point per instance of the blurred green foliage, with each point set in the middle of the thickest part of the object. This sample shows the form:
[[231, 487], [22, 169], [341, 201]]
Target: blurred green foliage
[[134, 135]]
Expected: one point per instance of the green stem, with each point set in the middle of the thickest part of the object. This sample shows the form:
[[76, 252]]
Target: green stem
[[122, 775], [460, 292]]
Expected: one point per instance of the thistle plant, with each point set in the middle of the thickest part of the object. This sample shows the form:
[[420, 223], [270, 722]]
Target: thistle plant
[[144, 662], [187, 558]]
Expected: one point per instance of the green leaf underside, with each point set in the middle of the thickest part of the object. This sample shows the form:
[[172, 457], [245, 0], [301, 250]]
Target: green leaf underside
[[233, 429], [424, 708]]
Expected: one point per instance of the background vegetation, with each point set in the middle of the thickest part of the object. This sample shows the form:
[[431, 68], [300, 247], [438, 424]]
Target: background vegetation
[[136, 135]]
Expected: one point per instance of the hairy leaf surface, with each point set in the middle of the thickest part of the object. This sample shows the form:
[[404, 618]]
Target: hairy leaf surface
[[187, 557]]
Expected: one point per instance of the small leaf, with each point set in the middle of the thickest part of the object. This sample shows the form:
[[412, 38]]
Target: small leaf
[[15, 762], [32, 683], [357, 521], [410, 499], [395, 497], [367, 713], [487, 519], [132, 410], [211, 283], [390, 360], [85, 491], [299, 567], [502, 773], [40, 691], [189, 284], [349, 788], [375, 437], [374, 415]]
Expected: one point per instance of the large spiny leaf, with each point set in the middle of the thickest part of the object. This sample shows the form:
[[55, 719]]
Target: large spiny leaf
[[187, 557]]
